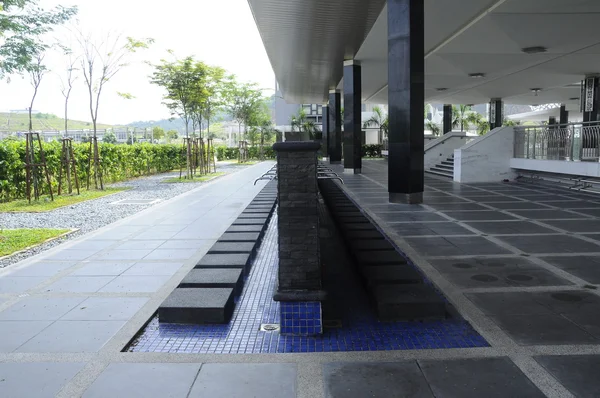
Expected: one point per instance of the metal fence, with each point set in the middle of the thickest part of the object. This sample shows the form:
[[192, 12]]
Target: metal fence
[[568, 142]]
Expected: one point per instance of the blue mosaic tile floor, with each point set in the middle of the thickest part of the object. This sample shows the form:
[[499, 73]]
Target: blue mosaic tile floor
[[360, 329]]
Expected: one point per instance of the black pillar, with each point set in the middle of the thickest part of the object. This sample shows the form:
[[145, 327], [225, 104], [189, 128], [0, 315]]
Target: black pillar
[[552, 120], [496, 113], [352, 117], [447, 118], [325, 131], [406, 100], [591, 99], [564, 115], [335, 127]]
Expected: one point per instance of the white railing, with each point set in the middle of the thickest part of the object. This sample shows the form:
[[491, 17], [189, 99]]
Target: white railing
[[568, 142]]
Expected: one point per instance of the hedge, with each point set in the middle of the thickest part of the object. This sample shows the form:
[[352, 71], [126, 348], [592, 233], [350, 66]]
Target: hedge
[[118, 162], [225, 153]]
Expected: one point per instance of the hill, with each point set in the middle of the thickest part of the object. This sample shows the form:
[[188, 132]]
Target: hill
[[41, 121]]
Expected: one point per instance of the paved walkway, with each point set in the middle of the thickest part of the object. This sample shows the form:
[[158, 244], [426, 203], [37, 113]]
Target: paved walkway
[[66, 315]]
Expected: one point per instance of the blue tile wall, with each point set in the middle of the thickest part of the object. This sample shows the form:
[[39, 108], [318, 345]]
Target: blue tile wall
[[301, 318]]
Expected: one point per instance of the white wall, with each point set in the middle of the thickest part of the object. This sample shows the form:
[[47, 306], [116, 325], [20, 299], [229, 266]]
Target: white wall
[[443, 147], [588, 169], [487, 158]]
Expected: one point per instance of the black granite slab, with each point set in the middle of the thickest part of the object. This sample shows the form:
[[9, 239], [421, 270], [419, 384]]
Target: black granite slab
[[198, 306]]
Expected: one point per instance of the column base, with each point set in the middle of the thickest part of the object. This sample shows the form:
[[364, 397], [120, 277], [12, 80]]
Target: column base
[[352, 171], [406, 198]]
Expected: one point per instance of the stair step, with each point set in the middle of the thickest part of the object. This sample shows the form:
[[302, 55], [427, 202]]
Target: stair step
[[445, 167], [440, 173], [448, 163], [441, 170]]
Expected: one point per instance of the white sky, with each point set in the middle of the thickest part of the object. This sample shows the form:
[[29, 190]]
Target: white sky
[[218, 32]]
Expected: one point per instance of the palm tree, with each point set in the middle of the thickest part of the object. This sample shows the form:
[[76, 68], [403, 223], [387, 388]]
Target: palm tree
[[460, 116], [304, 124], [377, 120], [434, 128], [476, 119]]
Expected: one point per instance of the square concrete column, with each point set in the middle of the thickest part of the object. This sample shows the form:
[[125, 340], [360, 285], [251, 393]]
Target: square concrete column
[[564, 115], [447, 118], [325, 132], [335, 127], [299, 287], [406, 100], [496, 113], [590, 98], [352, 117]]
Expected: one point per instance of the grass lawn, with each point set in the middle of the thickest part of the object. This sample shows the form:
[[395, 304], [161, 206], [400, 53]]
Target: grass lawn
[[194, 180], [13, 240], [45, 204]]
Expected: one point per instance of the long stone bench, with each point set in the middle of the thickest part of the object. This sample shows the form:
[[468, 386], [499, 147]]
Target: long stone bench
[[207, 294], [395, 288]]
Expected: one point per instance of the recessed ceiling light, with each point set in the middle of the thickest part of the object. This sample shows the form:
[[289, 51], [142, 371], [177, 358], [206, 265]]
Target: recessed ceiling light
[[441, 89], [574, 99], [476, 75], [534, 50]]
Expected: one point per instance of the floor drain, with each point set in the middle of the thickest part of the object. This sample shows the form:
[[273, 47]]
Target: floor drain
[[269, 327], [332, 323]]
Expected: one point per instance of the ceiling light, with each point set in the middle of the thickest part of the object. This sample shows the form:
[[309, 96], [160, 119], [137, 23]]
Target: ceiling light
[[574, 99], [534, 50], [536, 91], [441, 89], [476, 75]]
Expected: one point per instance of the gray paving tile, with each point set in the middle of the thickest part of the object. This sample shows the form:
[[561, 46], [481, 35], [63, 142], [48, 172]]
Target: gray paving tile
[[396, 207], [144, 380], [509, 227], [118, 233], [579, 204], [40, 308], [550, 244], [479, 215], [578, 373], [19, 284], [430, 201], [73, 336], [589, 212], [135, 284], [15, 333], [137, 254], [410, 216], [584, 267], [519, 206], [92, 244], [433, 228], [478, 377], [548, 214], [197, 244], [109, 268], [140, 244], [575, 225], [106, 309], [503, 278], [171, 254], [455, 246], [158, 233], [491, 200], [43, 268], [377, 380], [79, 284], [39, 380], [149, 269], [511, 304], [457, 206], [245, 380], [71, 255]]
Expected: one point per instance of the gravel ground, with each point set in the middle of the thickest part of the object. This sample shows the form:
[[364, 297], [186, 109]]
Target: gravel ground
[[93, 214]]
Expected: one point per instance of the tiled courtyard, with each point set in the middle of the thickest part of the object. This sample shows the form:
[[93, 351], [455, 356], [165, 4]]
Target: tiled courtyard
[[518, 262]]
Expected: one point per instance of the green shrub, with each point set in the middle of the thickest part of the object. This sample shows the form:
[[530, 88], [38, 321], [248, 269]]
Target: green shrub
[[372, 151], [225, 153], [118, 162]]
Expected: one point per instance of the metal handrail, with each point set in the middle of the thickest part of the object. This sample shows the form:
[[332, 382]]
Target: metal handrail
[[568, 142]]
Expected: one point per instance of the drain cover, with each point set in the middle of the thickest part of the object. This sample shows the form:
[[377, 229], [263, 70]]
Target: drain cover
[[136, 202], [269, 327]]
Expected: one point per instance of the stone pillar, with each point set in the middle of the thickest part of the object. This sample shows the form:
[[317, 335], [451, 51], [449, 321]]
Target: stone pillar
[[590, 99], [325, 132], [447, 118], [496, 113], [335, 127], [299, 283], [564, 115], [406, 100], [352, 117]]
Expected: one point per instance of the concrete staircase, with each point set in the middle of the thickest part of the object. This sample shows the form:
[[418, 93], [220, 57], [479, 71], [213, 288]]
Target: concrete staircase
[[444, 169]]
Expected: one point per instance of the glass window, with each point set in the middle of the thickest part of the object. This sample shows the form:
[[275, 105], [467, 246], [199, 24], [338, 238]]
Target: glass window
[[319, 109], [306, 108], [363, 107]]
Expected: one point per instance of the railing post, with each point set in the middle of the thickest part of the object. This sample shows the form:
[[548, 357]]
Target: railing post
[[534, 142], [527, 146]]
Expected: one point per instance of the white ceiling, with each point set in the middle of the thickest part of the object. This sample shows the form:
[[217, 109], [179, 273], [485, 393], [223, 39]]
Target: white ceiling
[[307, 41], [489, 39]]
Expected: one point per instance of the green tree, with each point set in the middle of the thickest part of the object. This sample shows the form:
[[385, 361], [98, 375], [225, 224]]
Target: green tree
[[433, 127], [460, 116], [172, 135], [479, 122], [303, 124], [242, 99], [109, 138], [377, 120], [158, 133], [22, 25], [215, 90], [36, 70]]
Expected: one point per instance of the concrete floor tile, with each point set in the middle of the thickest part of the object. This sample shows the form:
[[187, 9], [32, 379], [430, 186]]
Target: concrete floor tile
[[550, 244], [377, 380], [73, 336], [509, 227], [135, 284], [40, 308], [39, 380], [108, 268], [72, 255], [171, 254], [137, 254], [106, 309], [153, 269], [144, 380], [43, 268], [79, 284], [476, 378], [15, 333], [578, 373], [19, 284], [140, 244], [245, 380]]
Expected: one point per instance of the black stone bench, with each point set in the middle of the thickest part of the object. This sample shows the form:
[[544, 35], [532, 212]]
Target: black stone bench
[[215, 277], [198, 306]]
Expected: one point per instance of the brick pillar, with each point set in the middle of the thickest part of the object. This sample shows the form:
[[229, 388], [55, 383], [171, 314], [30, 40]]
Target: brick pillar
[[299, 283]]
